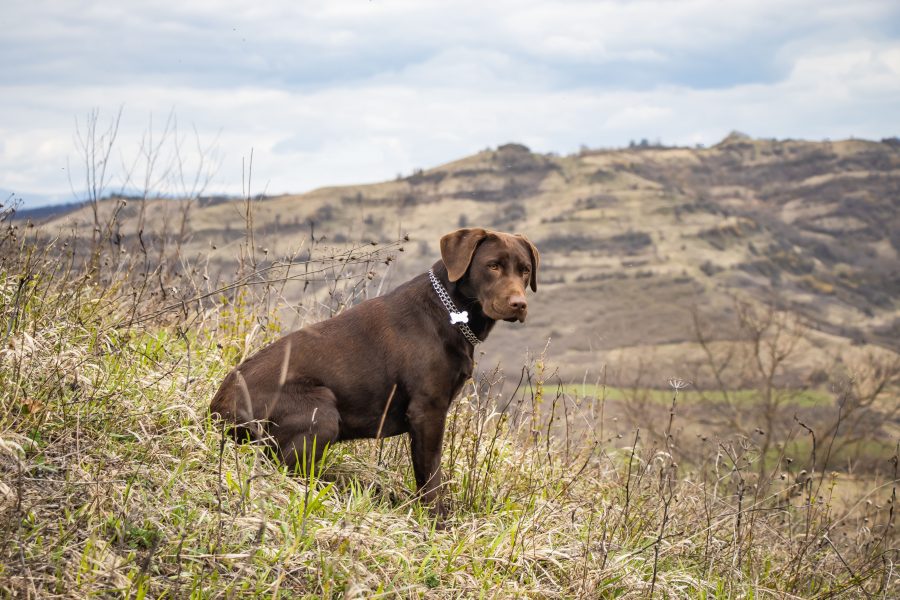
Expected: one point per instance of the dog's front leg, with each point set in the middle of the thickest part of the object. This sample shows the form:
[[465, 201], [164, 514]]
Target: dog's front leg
[[426, 432]]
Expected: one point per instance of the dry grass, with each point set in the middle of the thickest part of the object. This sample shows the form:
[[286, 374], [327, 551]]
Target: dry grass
[[114, 482]]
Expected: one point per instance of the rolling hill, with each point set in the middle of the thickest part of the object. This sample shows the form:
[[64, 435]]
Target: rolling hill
[[633, 241]]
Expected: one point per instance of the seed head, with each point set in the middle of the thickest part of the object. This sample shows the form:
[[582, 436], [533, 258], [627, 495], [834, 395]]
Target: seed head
[[678, 384]]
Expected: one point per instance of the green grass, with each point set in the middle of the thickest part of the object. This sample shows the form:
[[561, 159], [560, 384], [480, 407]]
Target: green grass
[[800, 398], [115, 483]]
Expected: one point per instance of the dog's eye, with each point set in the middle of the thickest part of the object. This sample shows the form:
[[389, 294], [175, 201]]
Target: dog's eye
[[493, 266]]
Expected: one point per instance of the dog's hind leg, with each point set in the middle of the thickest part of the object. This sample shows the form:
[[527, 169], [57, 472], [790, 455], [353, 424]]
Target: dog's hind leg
[[307, 420]]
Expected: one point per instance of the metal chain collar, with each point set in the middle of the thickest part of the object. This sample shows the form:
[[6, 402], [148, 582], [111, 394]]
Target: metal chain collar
[[454, 313]]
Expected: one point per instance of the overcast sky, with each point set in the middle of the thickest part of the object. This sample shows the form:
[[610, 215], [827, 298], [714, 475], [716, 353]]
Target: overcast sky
[[336, 92]]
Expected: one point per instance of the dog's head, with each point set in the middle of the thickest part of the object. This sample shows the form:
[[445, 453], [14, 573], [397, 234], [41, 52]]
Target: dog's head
[[494, 268]]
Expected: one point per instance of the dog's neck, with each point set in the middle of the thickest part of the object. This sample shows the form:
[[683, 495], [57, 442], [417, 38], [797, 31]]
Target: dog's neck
[[480, 324]]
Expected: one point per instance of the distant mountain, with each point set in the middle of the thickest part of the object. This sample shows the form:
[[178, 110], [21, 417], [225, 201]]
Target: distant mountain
[[632, 240], [45, 213]]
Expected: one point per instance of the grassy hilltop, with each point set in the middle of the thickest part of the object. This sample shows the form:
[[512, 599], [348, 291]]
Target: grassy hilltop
[[762, 271]]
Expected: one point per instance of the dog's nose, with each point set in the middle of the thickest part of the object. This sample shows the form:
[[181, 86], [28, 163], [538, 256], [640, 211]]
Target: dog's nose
[[518, 303]]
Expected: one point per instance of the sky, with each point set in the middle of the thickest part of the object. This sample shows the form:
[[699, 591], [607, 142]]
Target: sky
[[351, 91]]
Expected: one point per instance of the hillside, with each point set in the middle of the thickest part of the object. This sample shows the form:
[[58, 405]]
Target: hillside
[[632, 240], [115, 482]]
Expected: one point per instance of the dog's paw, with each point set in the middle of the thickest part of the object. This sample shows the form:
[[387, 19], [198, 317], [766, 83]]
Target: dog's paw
[[440, 512]]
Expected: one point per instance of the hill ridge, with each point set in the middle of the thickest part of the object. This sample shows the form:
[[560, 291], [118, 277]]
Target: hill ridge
[[633, 240]]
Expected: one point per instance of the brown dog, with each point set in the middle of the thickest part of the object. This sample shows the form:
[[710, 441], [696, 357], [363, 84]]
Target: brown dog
[[389, 365]]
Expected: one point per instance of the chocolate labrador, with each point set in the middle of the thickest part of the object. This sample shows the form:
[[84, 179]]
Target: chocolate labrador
[[386, 366]]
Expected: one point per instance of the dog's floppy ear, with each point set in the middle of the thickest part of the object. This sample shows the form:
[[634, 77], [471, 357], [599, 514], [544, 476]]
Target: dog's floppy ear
[[535, 260], [457, 249]]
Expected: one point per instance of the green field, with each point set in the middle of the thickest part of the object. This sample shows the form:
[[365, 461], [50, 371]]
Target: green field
[[686, 396]]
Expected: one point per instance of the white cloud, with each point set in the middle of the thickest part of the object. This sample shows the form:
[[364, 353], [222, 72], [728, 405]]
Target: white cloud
[[343, 92]]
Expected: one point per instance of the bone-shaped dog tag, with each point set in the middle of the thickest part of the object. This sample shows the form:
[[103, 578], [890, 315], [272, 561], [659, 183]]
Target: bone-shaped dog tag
[[459, 317]]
